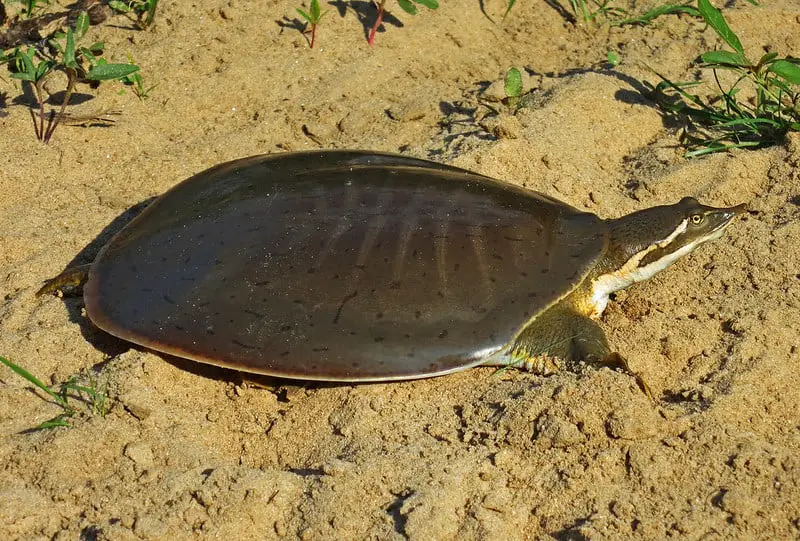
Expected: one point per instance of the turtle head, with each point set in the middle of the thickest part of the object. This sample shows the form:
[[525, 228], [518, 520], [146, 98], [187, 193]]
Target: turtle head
[[648, 241]]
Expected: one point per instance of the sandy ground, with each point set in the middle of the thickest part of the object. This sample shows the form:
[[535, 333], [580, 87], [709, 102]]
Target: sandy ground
[[188, 451]]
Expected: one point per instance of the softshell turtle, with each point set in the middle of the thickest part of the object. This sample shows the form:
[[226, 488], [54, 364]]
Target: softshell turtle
[[362, 266]]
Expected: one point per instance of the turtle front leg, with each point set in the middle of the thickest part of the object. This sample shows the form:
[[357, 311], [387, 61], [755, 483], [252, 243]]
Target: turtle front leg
[[562, 333], [73, 277]]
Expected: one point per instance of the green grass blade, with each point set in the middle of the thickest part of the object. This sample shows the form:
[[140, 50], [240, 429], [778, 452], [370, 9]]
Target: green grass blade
[[719, 147], [715, 20], [508, 8], [751, 123], [430, 4], [34, 380], [666, 9]]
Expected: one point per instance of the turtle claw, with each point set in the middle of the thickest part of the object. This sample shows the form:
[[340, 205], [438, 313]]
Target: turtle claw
[[616, 360]]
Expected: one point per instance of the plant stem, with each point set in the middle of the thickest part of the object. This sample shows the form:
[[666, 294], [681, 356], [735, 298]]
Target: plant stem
[[71, 77], [378, 21], [40, 128], [313, 35]]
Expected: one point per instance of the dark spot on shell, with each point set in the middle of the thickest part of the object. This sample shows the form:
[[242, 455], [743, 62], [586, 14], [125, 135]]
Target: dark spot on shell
[[443, 334], [380, 338]]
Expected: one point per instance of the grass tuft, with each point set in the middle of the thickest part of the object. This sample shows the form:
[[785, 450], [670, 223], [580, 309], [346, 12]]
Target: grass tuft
[[758, 109], [96, 399]]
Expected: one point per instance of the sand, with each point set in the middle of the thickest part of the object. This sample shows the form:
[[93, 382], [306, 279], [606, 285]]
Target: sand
[[189, 451]]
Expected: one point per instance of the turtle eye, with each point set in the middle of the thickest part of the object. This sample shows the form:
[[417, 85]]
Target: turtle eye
[[697, 219]]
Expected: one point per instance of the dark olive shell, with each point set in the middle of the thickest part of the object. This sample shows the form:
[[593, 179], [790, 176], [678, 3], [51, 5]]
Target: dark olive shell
[[339, 265]]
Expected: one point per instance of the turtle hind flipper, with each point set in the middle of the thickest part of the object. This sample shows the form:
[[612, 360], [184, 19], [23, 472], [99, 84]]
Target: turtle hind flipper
[[72, 279]]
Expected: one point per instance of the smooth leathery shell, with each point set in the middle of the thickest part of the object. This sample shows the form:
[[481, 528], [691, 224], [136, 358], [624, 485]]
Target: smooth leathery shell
[[339, 265]]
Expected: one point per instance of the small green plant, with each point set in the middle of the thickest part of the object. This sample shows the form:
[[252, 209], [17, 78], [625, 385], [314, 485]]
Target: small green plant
[[513, 87], [769, 109], [595, 11], [96, 399], [143, 10], [137, 82], [406, 5], [76, 62], [312, 17]]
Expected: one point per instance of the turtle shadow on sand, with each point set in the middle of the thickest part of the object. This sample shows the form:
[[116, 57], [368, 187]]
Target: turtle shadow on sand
[[73, 296]]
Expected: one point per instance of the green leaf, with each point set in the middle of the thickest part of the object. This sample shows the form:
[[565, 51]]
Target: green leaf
[[81, 24], [767, 58], [724, 57], [55, 422], [22, 76], [122, 7], [786, 69], [715, 20], [25, 63], [430, 4], [315, 10], [304, 15], [42, 69], [613, 58], [408, 7], [88, 55], [97, 47], [69, 51], [513, 83], [107, 72]]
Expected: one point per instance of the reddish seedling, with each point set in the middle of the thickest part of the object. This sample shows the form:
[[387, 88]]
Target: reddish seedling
[[406, 5]]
